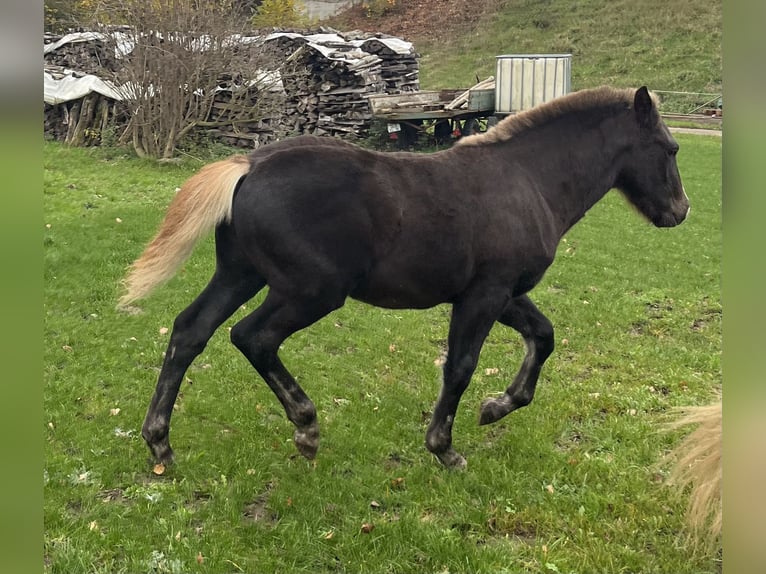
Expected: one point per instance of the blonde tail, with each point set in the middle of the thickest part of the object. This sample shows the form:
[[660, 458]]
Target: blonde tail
[[202, 203], [697, 462]]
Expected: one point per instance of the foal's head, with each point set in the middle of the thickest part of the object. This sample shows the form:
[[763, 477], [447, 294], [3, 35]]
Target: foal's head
[[649, 175]]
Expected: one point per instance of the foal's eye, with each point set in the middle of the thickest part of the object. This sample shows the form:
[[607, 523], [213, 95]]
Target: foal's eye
[[672, 151]]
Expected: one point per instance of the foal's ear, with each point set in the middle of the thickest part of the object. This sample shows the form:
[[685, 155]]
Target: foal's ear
[[643, 106]]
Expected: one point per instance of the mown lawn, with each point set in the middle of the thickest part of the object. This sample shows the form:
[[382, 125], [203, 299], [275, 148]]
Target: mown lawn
[[569, 484]]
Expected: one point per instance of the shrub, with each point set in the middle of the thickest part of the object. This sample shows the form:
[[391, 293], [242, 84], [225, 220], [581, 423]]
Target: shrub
[[280, 14], [378, 8]]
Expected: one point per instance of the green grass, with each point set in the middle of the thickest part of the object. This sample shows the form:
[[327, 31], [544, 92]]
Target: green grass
[[664, 45], [569, 484]]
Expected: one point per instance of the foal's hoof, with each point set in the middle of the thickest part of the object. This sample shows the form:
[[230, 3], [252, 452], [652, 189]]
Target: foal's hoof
[[164, 456], [306, 440], [162, 452], [492, 410], [452, 460]]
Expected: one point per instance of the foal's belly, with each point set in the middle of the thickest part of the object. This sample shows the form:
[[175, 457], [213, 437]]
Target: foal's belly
[[405, 295], [421, 287]]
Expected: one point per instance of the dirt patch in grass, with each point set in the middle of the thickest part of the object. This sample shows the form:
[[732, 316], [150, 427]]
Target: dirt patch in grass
[[258, 511]]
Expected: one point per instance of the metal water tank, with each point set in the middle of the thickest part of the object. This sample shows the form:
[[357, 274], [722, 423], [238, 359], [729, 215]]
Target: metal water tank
[[523, 81]]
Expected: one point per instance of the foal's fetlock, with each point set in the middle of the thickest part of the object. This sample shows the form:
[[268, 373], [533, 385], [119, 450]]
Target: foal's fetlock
[[441, 448], [306, 440]]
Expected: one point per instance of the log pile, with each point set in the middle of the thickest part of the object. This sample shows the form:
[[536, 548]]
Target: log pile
[[86, 52], [399, 67], [85, 120], [324, 83], [329, 98], [249, 116]]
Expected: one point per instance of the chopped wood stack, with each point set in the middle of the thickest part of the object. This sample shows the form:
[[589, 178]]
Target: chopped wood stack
[[84, 120], [325, 80], [329, 98], [231, 118], [86, 52], [399, 67]]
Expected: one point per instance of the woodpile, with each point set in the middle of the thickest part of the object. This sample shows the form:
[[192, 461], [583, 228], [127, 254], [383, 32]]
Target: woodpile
[[399, 66], [84, 120], [329, 98], [231, 118], [340, 73], [86, 52], [323, 84]]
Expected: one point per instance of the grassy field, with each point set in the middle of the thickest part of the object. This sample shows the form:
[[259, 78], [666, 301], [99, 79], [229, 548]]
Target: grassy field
[[570, 484], [673, 46]]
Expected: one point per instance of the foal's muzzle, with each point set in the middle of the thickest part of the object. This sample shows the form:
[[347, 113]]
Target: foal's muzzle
[[679, 211]]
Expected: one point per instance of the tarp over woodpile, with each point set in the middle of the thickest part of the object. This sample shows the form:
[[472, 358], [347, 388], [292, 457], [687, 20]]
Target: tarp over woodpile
[[61, 85]]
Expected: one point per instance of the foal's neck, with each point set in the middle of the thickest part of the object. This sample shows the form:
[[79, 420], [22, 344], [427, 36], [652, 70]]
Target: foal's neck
[[579, 169]]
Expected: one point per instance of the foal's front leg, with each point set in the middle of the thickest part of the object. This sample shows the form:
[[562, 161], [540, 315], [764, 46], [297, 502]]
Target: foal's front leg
[[472, 319], [522, 315]]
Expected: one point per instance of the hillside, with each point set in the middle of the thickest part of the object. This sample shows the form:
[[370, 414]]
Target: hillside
[[666, 45]]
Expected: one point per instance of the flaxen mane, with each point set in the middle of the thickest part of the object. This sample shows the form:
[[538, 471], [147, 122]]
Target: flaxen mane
[[539, 115]]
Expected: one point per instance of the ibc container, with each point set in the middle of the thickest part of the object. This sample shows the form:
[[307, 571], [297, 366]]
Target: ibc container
[[523, 81]]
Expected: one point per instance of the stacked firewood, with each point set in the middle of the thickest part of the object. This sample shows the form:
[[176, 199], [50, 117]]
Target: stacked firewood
[[322, 87], [82, 121], [90, 53], [329, 97], [248, 116], [399, 67]]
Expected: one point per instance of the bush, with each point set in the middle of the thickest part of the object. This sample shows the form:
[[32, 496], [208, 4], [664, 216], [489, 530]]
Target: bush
[[378, 8], [280, 14]]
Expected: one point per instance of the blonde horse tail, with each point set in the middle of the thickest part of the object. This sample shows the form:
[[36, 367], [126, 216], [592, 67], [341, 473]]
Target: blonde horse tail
[[696, 462], [204, 201]]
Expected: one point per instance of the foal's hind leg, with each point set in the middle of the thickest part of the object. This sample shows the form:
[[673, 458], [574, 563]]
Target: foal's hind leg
[[522, 315], [192, 329], [259, 336]]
